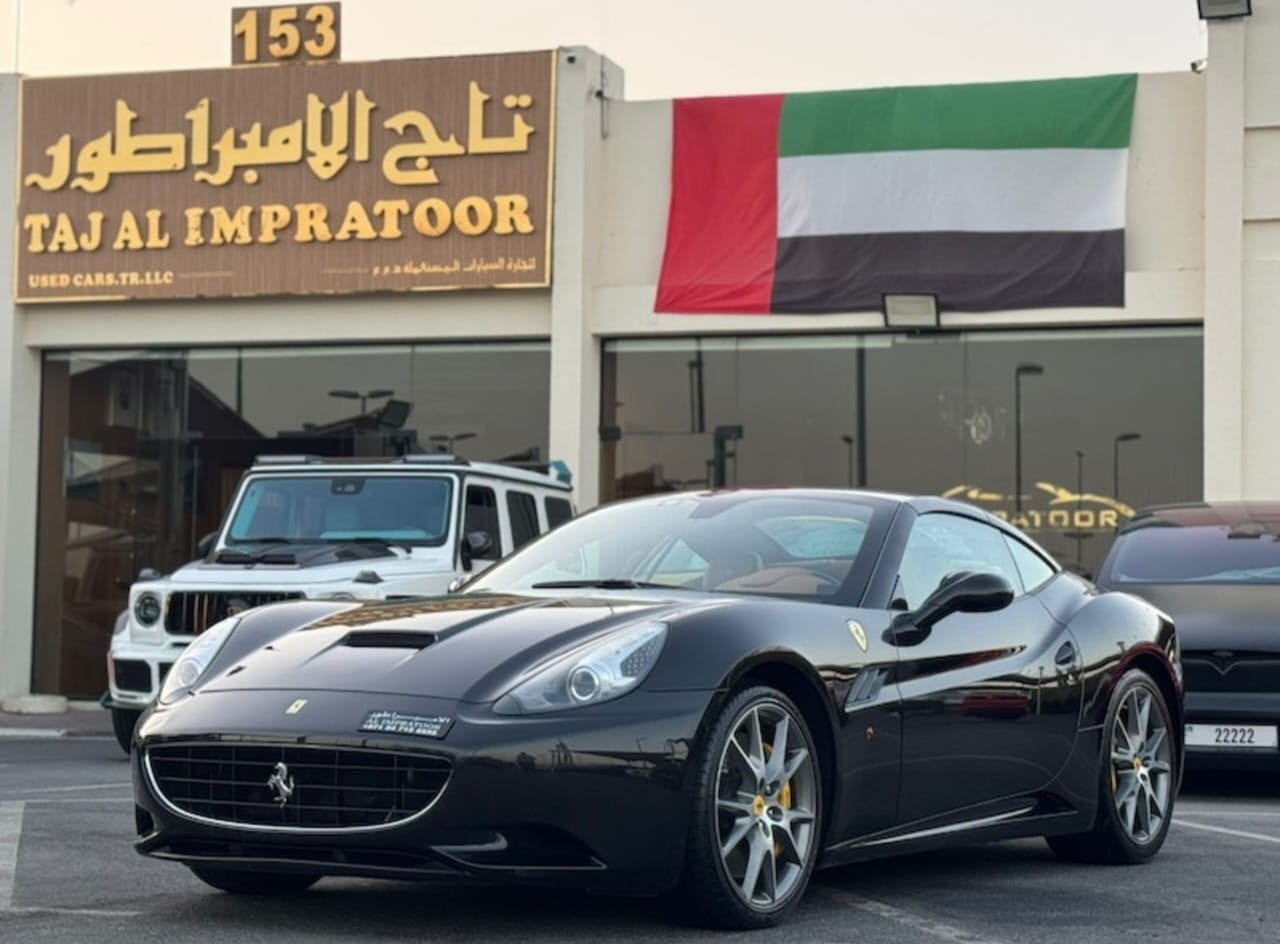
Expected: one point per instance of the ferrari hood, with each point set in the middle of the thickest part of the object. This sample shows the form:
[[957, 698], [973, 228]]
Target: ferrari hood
[[1241, 617], [465, 648]]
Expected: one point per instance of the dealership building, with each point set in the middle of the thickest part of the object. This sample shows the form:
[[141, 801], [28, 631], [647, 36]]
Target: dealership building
[[516, 262]]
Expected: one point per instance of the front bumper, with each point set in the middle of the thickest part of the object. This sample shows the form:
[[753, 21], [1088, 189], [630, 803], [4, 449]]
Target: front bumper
[[590, 798], [1232, 708], [136, 671]]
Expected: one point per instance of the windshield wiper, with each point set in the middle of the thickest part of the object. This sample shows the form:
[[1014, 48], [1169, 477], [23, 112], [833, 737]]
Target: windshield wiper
[[604, 583], [267, 540]]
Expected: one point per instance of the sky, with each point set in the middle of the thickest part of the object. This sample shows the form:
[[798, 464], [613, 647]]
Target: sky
[[668, 48]]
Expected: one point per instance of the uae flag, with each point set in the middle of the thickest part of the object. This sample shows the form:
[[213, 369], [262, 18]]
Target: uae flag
[[993, 196]]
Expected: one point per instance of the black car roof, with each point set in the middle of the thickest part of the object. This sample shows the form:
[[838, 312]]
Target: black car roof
[[1207, 514]]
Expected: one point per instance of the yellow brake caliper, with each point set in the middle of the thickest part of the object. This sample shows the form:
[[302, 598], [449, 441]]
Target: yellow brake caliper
[[784, 800]]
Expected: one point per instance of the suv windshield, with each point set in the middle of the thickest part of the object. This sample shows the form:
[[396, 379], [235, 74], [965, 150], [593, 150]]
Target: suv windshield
[[411, 510], [1201, 554], [792, 546]]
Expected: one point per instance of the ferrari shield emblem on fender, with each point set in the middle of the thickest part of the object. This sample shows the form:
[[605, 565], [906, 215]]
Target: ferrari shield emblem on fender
[[859, 634], [298, 706]]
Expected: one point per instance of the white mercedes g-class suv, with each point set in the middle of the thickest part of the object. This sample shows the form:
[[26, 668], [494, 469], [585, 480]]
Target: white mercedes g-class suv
[[302, 527]]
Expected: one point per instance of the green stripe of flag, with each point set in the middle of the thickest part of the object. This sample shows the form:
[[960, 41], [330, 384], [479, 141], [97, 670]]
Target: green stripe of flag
[[1093, 112]]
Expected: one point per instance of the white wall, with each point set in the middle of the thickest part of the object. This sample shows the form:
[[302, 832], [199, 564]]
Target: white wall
[[669, 47], [1242, 286], [19, 440], [1164, 245]]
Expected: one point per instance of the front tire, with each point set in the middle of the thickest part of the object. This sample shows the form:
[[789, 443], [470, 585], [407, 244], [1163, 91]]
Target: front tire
[[1136, 779], [123, 721], [756, 821], [254, 883]]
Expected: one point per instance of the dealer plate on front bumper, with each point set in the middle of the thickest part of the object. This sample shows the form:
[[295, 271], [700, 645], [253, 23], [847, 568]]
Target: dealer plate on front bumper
[[1233, 737]]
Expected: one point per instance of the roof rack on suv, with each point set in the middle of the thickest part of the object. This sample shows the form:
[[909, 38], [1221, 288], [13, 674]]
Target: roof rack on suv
[[555, 469], [288, 460], [433, 458]]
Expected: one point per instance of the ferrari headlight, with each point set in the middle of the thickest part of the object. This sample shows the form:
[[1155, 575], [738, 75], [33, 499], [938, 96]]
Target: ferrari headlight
[[606, 669], [196, 659]]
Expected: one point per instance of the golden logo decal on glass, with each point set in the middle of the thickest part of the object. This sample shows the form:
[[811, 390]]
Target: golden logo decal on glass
[[1050, 506]]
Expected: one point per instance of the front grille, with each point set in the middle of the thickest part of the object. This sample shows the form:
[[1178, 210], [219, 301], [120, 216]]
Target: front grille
[[132, 676], [1221, 670], [321, 787], [190, 614]]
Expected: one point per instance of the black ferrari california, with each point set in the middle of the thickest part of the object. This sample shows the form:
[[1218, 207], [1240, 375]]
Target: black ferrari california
[[702, 696], [1215, 568]]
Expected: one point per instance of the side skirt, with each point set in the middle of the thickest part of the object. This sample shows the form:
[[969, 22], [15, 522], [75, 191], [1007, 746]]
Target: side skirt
[[1026, 820]]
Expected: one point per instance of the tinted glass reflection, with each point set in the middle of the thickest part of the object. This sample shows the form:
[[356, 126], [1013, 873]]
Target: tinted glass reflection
[[1063, 432], [141, 452]]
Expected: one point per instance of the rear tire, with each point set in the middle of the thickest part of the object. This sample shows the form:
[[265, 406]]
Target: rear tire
[[123, 721], [254, 883], [1135, 779], [755, 825]]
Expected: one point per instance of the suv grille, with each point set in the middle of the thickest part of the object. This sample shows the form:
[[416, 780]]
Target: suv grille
[[323, 787], [1222, 670], [190, 614]]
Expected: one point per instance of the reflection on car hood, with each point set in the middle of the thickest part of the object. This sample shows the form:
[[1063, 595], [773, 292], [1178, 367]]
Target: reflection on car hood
[[463, 647], [1241, 617]]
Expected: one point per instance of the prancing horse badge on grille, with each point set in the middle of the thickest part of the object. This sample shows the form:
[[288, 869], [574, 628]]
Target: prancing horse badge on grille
[[281, 783]]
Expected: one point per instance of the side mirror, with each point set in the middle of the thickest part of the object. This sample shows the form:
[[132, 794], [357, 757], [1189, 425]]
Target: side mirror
[[965, 592], [205, 544], [475, 544]]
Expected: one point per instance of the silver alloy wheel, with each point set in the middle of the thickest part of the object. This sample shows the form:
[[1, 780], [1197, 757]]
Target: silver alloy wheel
[[766, 802], [1141, 756]]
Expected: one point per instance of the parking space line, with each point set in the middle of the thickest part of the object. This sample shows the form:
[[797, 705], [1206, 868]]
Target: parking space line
[[1197, 811], [76, 789], [1239, 833], [85, 912], [10, 834], [944, 932], [59, 800]]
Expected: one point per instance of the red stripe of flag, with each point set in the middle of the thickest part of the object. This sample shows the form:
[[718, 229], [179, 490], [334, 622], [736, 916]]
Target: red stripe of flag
[[722, 227]]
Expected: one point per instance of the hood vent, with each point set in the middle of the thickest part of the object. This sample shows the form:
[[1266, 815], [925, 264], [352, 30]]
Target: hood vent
[[389, 639]]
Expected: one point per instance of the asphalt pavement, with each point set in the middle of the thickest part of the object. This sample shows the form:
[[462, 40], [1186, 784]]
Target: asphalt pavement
[[68, 873]]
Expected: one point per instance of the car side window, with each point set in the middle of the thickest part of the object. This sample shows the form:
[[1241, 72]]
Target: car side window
[[558, 512], [942, 544], [523, 513], [482, 515], [1031, 566]]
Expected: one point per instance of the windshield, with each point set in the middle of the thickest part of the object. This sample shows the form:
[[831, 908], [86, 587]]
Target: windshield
[[1202, 554], [786, 546], [410, 510]]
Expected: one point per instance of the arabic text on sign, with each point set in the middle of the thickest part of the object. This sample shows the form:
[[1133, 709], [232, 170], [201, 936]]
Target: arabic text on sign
[[329, 135]]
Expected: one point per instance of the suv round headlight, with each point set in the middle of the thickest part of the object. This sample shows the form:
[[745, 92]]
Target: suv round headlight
[[147, 609]]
